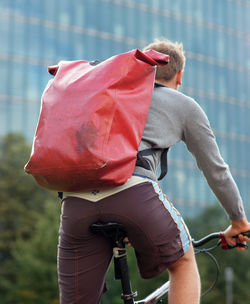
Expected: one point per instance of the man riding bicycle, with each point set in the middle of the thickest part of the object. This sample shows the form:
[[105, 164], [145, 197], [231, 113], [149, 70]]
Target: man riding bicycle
[[155, 228]]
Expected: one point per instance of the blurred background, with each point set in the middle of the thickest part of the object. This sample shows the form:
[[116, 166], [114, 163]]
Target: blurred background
[[35, 34]]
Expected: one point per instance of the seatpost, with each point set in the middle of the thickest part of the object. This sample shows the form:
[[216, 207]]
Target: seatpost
[[116, 233], [121, 271]]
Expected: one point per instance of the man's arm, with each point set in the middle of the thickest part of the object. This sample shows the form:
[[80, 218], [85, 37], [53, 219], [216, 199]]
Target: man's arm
[[201, 142]]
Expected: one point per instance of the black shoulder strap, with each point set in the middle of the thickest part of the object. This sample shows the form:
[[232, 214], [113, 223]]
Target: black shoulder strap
[[164, 163], [142, 162], [60, 195]]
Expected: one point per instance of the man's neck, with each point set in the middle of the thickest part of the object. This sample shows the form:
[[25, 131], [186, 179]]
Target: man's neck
[[170, 84]]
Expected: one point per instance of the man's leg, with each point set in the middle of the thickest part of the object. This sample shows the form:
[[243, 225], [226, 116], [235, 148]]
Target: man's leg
[[81, 272], [83, 257], [184, 280]]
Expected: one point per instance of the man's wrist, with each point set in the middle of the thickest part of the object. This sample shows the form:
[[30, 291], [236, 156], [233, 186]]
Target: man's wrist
[[239, 223]]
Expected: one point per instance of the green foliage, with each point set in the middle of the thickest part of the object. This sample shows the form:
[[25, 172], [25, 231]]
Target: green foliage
[[35, 260], [18, 193], [21, 205]]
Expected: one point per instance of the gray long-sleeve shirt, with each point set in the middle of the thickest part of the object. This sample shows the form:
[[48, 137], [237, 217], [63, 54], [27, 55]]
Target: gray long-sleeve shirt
[[175, 117]]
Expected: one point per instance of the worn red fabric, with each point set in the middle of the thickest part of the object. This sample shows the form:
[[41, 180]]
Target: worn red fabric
[[92, 120]]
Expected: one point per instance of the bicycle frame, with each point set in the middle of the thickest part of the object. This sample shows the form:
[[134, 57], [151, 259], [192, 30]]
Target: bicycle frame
[[156, 295], [116, 233]]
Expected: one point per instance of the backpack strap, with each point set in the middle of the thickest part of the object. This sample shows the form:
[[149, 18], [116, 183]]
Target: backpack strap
[[142, 162], [60, 195]]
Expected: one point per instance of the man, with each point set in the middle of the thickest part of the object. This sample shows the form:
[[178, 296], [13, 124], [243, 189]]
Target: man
[[155, 228]]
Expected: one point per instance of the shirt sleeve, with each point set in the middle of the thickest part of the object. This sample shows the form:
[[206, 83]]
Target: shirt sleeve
[[200, 141]]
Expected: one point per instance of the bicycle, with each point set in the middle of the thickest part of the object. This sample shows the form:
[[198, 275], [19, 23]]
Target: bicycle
[[116, 233]]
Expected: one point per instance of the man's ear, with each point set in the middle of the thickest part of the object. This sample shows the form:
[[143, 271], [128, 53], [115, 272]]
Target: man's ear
[[179, 77]]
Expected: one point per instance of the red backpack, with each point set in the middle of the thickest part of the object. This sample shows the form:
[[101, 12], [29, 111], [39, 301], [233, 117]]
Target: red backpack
[[92, 120]]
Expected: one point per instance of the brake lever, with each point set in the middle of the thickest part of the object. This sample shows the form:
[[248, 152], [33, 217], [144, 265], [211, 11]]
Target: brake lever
[[246, 233], [241, 245]]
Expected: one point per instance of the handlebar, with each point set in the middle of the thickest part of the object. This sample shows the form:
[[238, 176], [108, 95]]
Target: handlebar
[[206, 239], [220, 236]]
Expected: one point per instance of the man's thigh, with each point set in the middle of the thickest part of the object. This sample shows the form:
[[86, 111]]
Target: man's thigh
[[155, 228], [83, 257]]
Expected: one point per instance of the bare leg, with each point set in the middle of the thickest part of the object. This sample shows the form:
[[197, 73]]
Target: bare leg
[[184, 280]]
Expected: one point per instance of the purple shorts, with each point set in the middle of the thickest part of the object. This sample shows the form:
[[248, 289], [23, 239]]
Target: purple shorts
[[155, 229]]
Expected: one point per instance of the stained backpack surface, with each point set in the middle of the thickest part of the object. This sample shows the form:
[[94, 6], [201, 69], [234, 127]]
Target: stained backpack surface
[[91, 121]]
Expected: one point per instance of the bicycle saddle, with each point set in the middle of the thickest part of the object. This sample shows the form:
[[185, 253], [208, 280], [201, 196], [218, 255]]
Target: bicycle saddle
[[114, 231]]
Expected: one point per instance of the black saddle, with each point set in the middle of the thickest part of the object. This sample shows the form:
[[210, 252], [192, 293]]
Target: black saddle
[[113, 231]]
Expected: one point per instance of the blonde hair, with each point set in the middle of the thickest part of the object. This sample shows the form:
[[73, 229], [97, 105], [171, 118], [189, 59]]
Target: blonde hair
[[177, 58]]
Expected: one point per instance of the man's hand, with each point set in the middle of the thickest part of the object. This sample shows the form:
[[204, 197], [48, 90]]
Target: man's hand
[[235, 229]]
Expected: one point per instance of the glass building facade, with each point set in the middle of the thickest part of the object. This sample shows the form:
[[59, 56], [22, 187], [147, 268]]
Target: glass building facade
[[216, 38]]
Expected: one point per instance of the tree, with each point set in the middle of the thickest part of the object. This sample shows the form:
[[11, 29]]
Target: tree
[[21, 204], [35, 261]]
